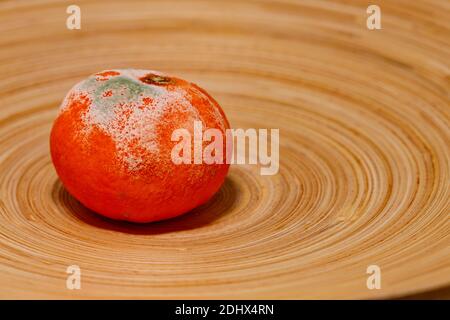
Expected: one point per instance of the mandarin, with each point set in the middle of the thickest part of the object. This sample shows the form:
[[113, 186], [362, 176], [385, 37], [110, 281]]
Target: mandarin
[[111, 145]]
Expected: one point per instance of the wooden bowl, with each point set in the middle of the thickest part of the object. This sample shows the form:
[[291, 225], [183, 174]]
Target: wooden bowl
[[364, 150]]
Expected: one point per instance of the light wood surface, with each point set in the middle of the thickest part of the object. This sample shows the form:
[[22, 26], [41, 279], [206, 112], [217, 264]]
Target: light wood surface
[[364, 156]]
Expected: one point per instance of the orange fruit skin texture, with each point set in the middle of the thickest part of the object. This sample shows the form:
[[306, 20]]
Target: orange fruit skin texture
[[111, 145]]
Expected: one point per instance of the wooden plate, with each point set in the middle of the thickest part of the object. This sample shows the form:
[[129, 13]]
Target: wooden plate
[[364, 150]]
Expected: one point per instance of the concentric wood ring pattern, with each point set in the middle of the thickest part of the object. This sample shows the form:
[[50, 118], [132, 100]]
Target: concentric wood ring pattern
[[364, 156]]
